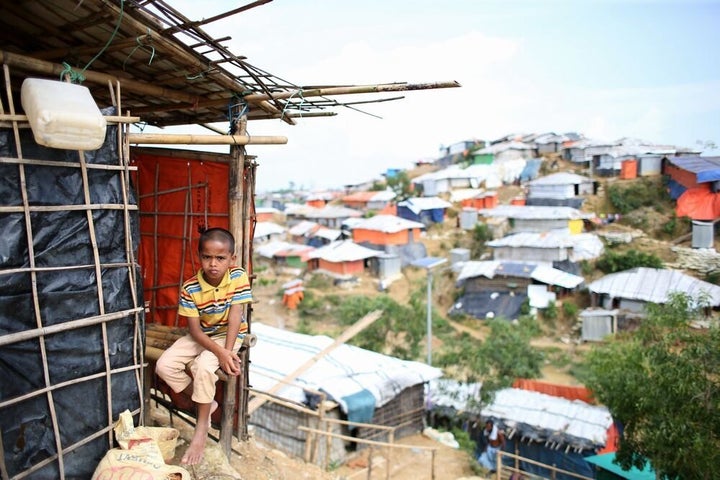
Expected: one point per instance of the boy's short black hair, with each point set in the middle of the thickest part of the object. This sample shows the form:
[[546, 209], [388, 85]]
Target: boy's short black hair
[[217, 234]]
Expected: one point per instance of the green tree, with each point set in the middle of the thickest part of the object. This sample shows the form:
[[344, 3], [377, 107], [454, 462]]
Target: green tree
[[612, 262], [481, 234], [505, 355], [662, 382], [401, 185]]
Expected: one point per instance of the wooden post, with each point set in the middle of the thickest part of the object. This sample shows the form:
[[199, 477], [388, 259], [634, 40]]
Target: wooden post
[[247, 237], [370, 460], [236, 215]]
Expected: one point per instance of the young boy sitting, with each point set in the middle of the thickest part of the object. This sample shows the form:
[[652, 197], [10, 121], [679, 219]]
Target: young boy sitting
[[212, 303]]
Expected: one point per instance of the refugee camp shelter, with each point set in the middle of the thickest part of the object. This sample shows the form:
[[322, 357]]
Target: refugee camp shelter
[[550, 430], [372, 200], [350, 383], [384, 230], [598, 323], [342, 258], [562, 188], [332, 216], [267, 231], [547, 247], [632, 289], [98, 233], [537, 218], [694, 183], [427, 210], [499, 288]]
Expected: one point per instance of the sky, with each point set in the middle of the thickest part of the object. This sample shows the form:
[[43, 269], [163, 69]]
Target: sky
[[604, 68]]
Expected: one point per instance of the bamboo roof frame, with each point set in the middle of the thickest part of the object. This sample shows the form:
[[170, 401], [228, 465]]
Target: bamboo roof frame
[[171, 71]]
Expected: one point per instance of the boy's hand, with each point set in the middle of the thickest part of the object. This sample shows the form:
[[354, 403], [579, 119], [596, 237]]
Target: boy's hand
[[229, 362]]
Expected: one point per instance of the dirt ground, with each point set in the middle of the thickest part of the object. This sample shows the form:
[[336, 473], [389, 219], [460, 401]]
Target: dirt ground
[[252, 460]]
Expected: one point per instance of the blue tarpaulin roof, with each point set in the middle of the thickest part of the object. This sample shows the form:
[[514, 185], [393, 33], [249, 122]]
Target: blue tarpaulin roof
[[706, 169]]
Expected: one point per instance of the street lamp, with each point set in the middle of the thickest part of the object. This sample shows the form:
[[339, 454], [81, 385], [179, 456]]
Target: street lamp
[[428, 263]]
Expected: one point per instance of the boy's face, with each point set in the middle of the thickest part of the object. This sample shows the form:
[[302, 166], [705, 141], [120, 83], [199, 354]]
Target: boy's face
[[215, 258]]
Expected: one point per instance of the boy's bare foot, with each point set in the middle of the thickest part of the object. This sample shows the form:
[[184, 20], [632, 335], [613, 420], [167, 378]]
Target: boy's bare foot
[[194, 453]]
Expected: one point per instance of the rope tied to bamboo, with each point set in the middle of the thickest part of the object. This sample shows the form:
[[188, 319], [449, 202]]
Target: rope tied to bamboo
[[71, 75], [235, 118], [288, 103]]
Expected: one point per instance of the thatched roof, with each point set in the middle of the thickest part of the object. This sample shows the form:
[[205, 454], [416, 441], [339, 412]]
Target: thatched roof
[[170, 70]]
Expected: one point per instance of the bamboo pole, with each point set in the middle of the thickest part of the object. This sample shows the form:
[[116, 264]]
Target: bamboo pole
[[350, 90], [190, 139], [53, 163], [63, 327], [366, 442], [67, 208], [358, 327], [108, 118], [235, 226], [33, 275], [98, 285], [256, 98]]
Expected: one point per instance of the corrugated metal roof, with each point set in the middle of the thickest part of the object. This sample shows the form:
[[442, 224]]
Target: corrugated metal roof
[[585, 246], [535, 212], [474, 269], [387, 224], [561, 178], [539, 272], [654, 285], [553, 276], [706, 169], [343, 251]]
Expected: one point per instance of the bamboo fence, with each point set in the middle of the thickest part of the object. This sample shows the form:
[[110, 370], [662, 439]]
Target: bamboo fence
[[65, 448]]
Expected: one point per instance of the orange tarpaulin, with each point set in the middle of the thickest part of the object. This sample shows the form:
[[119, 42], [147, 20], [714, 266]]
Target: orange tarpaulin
[[699, 204], [563, 391]]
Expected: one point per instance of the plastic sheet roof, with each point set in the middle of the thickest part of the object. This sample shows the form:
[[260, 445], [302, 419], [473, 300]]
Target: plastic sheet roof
[[654, 285], [561, 178], [543, 418], [706, 169], [419, 204], [342, 373]]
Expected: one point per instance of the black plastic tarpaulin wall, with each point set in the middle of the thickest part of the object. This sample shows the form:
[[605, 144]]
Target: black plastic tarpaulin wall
[[71, 316]]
